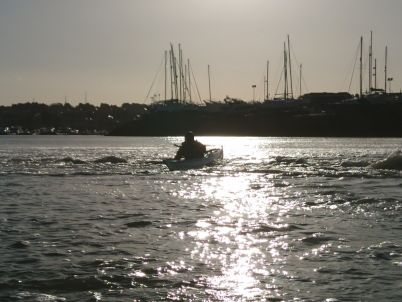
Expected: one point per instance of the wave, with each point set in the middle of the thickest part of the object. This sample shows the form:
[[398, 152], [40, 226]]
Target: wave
[[68, 159], [68, 284], [275, 228], [13, 184], [42, 173], [317, 239], [358, 163], [110, 159], [392, 162], [138, 224], [28, 296], [18, 160], [289, 160], [20, 244], [72, 160]]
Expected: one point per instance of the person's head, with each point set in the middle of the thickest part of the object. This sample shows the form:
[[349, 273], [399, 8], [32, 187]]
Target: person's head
[[189, 137]]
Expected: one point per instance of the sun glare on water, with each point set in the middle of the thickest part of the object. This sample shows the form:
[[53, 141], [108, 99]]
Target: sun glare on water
[[228, 242], [232, 239]]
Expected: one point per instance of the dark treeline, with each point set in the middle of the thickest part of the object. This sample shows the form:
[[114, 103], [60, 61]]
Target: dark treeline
[[65, 118], [315, 114]]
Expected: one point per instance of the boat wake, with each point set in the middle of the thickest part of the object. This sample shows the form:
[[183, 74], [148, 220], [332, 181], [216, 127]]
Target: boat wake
[[75, 165]]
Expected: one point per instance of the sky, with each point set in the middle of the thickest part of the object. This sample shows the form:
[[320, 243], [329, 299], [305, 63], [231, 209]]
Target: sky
[[110, 51]]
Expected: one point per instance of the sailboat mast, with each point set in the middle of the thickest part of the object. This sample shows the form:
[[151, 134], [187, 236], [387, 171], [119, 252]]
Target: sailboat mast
[[285, 70], [370, 61], [375, 74], [290, 69], [183, 76], [175, 74], [361, 67], [300, 83], [171, 74], [165, 72], [180, 75], [265, 88], [267, 81], [209, 83], [385, 69], [189, 80], [185, 82]]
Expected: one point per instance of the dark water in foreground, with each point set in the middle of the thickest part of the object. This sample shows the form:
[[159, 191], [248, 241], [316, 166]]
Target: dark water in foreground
[[281, 219]]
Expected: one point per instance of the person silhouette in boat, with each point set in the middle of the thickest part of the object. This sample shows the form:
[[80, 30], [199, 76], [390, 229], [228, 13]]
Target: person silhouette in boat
[[190, 148]]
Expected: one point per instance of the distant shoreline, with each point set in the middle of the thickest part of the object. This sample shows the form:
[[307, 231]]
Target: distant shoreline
[[296, 118], [313, 115]]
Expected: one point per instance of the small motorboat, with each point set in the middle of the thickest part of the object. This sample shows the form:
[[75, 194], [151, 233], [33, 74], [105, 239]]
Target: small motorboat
[[211, 157]]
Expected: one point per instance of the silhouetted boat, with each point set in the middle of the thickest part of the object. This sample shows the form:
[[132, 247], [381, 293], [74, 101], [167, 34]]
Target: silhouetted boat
[[211, 157]]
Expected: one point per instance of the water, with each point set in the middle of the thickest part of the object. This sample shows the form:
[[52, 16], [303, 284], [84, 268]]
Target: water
[[281, 219]]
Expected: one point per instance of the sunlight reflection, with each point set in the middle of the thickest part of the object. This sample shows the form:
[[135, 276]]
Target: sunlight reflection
[[241, 196], [228, 241], [243, 242]]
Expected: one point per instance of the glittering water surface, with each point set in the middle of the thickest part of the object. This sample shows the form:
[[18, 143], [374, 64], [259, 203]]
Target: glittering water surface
[[280, 219]]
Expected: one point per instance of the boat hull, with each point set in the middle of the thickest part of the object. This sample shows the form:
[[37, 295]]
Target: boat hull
[[211, 157]]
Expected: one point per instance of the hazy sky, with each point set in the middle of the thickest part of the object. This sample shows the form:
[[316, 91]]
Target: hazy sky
[[112, 49]]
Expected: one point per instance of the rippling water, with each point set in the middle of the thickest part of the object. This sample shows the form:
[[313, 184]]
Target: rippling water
[[280, 219]]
